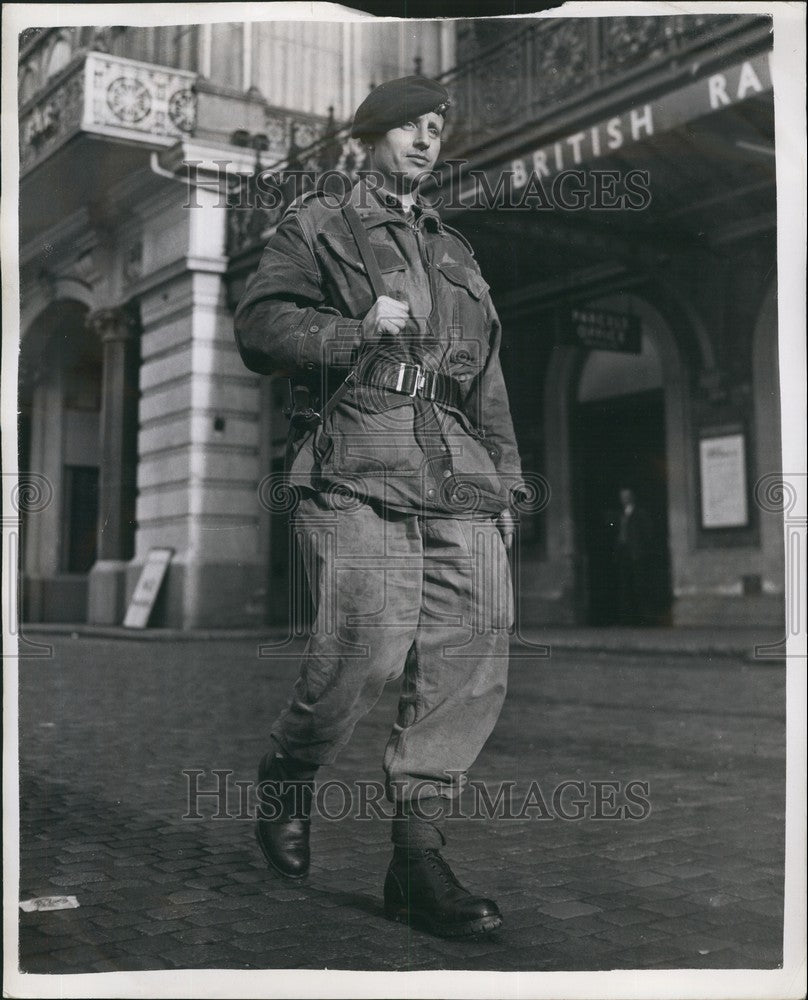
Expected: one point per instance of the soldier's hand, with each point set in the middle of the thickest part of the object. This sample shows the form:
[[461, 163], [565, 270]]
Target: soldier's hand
[[385, 316], [506, 525]]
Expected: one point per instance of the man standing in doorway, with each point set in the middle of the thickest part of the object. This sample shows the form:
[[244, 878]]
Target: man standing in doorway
[[633, 555], [405, 462]]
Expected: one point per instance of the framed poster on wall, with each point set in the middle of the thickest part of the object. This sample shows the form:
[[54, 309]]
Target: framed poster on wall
[[722, 472]]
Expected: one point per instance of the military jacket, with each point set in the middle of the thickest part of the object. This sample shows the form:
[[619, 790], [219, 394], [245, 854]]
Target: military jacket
[[301, 314]]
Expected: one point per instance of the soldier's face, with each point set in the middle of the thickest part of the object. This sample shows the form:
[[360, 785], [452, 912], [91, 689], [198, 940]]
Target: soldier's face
[[407, 153]]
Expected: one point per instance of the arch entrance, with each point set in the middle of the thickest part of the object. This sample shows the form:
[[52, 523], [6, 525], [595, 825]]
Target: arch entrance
[[60, 384], [611, 417], [621, 499]]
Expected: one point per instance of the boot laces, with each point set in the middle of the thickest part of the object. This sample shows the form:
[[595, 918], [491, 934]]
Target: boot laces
[[440, 865]]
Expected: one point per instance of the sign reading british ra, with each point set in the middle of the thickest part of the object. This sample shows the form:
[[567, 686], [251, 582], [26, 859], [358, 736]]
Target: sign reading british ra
[[602, 330]]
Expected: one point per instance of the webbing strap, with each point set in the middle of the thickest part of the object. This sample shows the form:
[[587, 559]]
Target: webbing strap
[[376, 283], [365, 251]]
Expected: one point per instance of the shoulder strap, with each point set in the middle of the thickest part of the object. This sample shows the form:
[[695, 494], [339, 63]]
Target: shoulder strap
[[376, 283], [365, 250]]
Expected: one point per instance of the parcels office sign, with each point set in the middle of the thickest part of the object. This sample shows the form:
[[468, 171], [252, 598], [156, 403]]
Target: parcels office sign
[[602, 330]]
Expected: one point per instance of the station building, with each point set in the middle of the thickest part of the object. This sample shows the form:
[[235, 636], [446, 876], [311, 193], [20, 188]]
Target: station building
[[616, 178]]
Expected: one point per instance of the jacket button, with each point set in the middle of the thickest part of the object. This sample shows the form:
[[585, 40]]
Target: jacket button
[[430, 493], [314, 328], [310, 365], [462, 378], [492, 452], [447, 473]]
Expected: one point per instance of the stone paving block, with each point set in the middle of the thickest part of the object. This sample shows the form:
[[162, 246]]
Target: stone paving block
[[191, 896], [583, 954], [188, 956], [106, 965], [623, 918], [687, 871], [82, 955], [669, 907], [643, 878], [545, 894], [725, 958], [765, 907], [48, 965], [34, 942], [143, 963], [567, 910], [255, 944], [132, 862], [692, 944], [261, 926], [690, 923], [201, 935], [765, 955], [89, 848], [656, 893], [80, 878], [584, 926], [747, 931], [156, 928], [597, 887], [111, 918], [635, 935], [182, 865], [177, 911]]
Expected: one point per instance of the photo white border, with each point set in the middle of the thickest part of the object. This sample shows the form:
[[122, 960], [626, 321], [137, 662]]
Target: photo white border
[[788, 70]]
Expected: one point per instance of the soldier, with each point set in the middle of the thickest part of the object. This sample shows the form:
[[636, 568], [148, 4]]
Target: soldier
[[409, 467]]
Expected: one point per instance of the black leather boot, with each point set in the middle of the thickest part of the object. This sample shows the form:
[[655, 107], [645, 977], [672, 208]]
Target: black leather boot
[[284, 813], [421, 889]]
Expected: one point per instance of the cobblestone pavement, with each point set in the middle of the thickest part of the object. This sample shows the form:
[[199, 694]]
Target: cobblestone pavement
[[108, 726]]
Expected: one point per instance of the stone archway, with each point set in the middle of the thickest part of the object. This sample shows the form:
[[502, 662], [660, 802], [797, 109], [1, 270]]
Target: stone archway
[[59, 402], [558, 578]]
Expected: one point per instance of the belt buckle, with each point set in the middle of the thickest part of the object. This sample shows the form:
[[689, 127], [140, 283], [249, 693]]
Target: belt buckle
[[419, 378]]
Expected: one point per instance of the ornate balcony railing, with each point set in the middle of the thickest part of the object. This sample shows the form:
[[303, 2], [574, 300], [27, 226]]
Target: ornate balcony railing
[[107, 95], [557, 64]]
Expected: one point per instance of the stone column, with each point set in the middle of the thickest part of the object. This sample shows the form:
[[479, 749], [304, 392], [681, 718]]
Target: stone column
[[118, 330]]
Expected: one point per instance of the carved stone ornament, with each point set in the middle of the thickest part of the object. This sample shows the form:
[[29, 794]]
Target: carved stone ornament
[[128, 99]]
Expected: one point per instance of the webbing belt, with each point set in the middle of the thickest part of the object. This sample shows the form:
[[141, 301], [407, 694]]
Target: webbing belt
[[411, 379], [415, 380]]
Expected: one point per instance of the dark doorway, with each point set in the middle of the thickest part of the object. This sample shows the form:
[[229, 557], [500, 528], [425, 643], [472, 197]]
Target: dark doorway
[[620, 443], [80, 531]]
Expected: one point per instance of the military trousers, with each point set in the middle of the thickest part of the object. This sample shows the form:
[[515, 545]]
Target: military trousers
[[400, 593]]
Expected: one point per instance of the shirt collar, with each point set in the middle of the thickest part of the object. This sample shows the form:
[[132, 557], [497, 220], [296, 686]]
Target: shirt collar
[[376, 208]]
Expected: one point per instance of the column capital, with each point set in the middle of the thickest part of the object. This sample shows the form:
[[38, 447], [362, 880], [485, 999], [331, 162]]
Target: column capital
[[111, 324]]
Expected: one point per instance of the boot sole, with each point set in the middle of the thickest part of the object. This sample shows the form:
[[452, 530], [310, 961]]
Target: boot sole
[[472, 928], [274, 867]]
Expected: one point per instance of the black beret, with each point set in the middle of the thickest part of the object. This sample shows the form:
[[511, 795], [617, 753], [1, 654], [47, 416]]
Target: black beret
[[398, 101]]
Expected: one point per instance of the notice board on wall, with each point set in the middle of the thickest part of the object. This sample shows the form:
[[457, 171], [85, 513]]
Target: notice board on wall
[[722, 468]]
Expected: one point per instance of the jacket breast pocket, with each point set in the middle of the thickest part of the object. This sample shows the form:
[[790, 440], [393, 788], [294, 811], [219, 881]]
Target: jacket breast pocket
[[468, 331], [345, 274], [393, 268], [467, 288]]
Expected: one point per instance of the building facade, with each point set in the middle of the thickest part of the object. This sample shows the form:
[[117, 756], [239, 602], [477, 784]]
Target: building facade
[[135, 405]]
